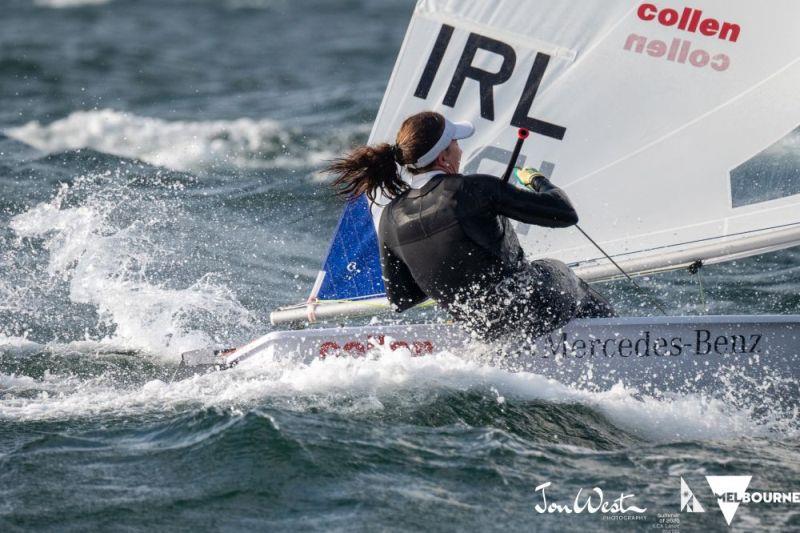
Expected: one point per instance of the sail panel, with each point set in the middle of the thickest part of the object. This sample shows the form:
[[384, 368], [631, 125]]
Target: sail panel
[[771, 174], [654, 117], [656, 113], [352, 268]]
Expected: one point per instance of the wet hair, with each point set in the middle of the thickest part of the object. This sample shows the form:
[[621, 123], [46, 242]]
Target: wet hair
[[369, 169]]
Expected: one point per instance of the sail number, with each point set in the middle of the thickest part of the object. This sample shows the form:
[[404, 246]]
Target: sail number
[[488, 80]]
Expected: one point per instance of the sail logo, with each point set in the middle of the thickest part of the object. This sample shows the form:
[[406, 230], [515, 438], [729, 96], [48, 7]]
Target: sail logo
[[487, 80], [682, 51], [690, 20], [689, 503]]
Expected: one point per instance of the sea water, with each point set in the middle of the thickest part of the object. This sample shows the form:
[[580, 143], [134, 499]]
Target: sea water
[[160, 191]]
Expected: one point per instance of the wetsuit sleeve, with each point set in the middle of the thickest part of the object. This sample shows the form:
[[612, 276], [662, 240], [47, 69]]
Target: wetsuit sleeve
[[547, 206], [401, 289]]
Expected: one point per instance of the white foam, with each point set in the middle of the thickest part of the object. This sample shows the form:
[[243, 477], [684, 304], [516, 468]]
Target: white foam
[[68, 229], [368, 384], [684, 417], [69, 3], [255, 4], [105, 266], [18, 345], [178, 145]]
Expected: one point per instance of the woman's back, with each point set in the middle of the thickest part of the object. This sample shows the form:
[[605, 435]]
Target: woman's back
[[449, 238]]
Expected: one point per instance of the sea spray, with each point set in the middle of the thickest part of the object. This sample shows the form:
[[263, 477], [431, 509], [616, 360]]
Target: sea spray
[[105, 239]]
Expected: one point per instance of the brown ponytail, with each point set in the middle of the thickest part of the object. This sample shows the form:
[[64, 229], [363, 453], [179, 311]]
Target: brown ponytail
[[365, 170], [368, 169]]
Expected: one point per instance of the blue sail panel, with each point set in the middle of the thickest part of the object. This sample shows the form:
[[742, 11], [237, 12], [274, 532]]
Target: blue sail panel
[[353, 268]]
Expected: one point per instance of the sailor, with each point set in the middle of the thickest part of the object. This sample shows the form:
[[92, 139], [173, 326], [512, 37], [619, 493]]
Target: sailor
[[447, 236]]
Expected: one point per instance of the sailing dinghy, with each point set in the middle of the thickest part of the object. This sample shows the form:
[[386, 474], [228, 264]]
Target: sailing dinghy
[[674, 129]]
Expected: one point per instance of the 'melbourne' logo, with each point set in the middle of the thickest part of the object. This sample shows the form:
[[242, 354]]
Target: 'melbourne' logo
[[730, 491]]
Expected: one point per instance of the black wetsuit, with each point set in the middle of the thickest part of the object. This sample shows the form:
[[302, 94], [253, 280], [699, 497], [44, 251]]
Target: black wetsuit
[[452, 241]]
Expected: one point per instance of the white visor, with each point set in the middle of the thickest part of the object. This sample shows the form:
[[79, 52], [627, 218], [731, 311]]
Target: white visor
[[452, 131]]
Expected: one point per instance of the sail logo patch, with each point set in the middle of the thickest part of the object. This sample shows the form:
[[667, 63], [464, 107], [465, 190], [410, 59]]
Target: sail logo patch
[[691, 20], [683, 51]]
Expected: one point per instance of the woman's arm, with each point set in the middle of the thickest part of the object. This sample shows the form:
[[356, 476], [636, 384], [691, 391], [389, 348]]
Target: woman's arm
[[547, 206]]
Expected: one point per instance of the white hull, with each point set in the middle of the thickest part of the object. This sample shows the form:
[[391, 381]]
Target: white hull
[[663, 354]]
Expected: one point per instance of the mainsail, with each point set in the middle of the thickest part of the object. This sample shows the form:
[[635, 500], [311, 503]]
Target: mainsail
[[673, 127]]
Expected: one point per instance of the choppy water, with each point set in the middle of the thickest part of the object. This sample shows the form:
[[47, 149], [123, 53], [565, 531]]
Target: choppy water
[[160, 192]]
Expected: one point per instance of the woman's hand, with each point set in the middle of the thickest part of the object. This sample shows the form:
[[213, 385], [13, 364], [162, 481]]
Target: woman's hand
[[529, 177]]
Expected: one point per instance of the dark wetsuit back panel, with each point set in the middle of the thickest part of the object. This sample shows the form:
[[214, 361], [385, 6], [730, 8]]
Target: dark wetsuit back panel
[[453, 238]]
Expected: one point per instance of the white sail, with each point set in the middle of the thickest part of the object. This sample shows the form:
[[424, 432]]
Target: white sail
[[643, 112], [674, 128]]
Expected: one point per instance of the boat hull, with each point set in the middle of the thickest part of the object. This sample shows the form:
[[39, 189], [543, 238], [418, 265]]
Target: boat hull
[[653, 354]]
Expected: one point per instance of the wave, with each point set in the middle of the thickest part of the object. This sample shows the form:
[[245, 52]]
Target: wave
[[684, 417], [186, 145], [394, 385]]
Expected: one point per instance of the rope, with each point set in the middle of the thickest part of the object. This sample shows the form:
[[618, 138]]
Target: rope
[[652, 297]]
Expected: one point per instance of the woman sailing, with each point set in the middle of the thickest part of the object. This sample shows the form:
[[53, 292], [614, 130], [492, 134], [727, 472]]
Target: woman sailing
[[447, 236]]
